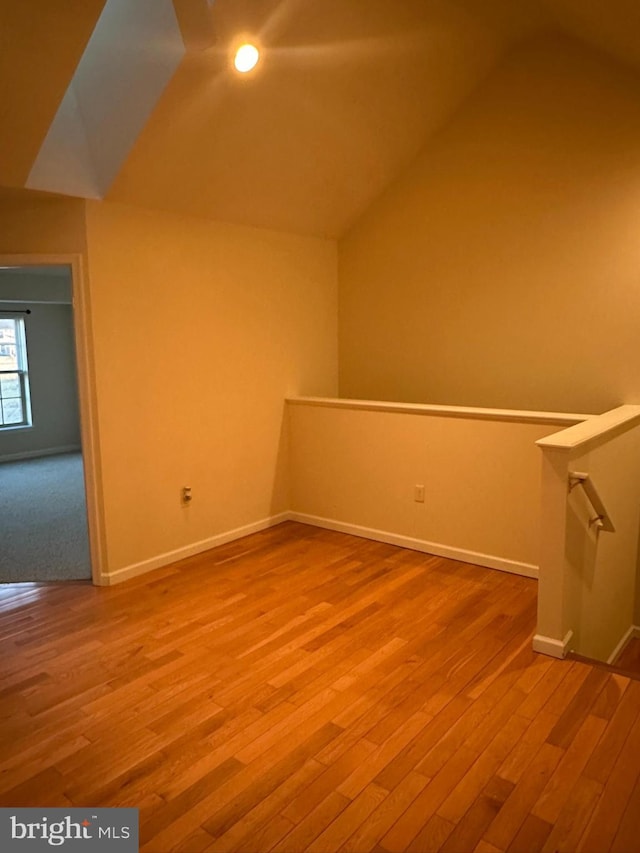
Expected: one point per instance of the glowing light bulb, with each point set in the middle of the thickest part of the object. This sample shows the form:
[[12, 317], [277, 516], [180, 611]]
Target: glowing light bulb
[[246, 58]]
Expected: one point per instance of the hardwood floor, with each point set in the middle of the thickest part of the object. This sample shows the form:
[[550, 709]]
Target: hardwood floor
[[305, 690], [629, 657]]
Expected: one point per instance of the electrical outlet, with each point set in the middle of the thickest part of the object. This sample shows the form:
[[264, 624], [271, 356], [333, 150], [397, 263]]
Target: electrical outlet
[[186, 494], [418, 493]]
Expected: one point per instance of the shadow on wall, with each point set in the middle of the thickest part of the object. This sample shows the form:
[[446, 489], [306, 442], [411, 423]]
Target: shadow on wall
[[581, 557], [281, 494]]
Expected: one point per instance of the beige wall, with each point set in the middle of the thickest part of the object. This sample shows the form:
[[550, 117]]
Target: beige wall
[[503, 269], [200, 331], [41, 225], [481, 479]]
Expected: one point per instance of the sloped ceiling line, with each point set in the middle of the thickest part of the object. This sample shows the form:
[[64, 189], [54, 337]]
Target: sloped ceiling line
[[347, 95], [132, 54]]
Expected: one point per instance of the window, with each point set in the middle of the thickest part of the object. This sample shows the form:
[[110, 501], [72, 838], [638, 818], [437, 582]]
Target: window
[[14, 382]]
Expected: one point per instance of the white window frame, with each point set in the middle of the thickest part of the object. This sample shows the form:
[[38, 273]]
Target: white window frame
[[22, 370]]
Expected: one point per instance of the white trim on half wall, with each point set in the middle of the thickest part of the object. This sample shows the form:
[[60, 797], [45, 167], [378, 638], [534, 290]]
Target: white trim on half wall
[[438, 550]]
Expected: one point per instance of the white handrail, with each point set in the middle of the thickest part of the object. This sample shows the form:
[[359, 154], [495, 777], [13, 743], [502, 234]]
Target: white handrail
[[602, 521]]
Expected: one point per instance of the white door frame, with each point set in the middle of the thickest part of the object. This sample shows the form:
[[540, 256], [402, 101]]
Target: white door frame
[[86, 394]]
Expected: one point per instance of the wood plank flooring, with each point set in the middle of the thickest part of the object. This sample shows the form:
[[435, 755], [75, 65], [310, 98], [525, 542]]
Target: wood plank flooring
[[629, 657], [303, 690]]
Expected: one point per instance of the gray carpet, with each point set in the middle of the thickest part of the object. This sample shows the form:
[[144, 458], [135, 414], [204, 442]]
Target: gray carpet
[[43, 520]]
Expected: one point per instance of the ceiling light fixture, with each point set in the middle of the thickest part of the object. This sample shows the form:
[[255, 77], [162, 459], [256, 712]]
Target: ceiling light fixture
[[246, 58]]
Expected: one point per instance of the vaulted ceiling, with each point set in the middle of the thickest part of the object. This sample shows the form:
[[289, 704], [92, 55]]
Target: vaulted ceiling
[[345, 96]]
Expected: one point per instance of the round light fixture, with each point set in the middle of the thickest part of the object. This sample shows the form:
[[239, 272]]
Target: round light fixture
[[246, 58]]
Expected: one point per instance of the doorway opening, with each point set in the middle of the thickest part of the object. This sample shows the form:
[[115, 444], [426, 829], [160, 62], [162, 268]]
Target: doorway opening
[[43, 501]]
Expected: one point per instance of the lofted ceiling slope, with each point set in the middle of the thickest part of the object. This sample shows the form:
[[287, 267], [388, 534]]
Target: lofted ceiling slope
[[611, 26], [346, 95], [41, 43]]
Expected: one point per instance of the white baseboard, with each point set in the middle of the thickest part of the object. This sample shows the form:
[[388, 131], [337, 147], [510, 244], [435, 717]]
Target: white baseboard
[[487, 560], [35, 454], [438, 550], [141, 568], [550, 646], [632, 631]]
